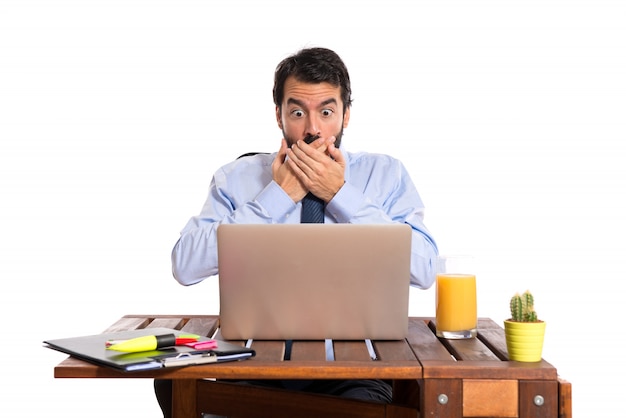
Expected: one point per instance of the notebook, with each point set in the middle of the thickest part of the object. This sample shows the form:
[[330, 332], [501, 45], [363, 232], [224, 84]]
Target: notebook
[[314, 281], [92, 348]]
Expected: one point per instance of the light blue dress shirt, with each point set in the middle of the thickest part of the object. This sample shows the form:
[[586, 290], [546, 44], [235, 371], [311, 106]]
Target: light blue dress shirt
[[377, 189]]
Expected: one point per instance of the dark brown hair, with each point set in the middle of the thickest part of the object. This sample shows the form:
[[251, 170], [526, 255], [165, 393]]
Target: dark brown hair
[[313, 65]]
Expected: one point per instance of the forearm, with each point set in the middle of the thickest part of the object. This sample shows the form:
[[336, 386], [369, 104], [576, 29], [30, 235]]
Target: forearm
[[194, 256], [352, 206], [423, 253]]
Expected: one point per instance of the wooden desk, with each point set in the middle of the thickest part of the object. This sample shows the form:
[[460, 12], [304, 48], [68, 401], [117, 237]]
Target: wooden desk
[[440, 378]]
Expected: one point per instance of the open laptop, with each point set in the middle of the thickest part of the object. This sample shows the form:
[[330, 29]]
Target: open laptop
[[314, 281]]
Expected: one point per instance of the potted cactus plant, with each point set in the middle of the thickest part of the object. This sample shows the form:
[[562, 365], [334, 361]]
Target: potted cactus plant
[[524, 332]]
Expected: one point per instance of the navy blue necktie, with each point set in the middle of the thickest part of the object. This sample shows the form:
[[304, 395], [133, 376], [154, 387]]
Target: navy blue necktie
[[312, 210], [312, 213]]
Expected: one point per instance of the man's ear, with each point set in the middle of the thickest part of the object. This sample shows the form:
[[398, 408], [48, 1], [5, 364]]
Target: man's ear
[[346, 118], [278, 118]]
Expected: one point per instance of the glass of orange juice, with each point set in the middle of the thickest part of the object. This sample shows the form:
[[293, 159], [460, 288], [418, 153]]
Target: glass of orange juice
[[456, 297]]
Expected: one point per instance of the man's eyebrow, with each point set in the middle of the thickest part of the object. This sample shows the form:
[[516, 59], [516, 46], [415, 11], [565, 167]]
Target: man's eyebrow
[[295, 101], [300, 103]]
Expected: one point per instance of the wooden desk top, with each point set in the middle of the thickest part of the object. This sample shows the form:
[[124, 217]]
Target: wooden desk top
[[421, 355]]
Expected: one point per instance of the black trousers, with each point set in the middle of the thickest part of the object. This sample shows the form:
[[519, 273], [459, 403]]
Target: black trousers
[[366, 390]]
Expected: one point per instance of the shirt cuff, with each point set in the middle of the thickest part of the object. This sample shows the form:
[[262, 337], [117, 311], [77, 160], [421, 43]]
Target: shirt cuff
[[276, 202], [346, 203]]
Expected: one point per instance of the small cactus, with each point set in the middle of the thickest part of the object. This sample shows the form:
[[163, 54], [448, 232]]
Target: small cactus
[[522, 308]]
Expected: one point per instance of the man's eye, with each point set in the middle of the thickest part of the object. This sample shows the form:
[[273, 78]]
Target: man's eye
[[297, 113], [327, 112]]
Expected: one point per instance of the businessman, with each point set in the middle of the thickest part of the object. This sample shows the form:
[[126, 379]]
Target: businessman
[[313, 98]]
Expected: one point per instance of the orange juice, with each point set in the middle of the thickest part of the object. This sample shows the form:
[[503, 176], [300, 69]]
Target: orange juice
[[456, 305]]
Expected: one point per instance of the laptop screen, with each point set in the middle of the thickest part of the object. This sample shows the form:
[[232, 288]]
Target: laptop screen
[[314, 281]]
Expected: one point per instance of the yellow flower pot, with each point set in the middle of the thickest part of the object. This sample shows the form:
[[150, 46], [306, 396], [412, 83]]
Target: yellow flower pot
[[524, 340]]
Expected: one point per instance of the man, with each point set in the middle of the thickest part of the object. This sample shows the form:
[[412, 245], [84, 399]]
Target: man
[[312, 95]]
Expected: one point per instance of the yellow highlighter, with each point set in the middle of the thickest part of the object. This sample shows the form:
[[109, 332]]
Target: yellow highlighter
[[149, 343]]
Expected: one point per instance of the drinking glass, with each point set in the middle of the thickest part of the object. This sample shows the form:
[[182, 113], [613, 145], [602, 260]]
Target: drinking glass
[[456, 297]]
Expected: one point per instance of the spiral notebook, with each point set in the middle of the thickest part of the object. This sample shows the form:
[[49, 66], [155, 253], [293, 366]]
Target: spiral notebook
[[314, 281]]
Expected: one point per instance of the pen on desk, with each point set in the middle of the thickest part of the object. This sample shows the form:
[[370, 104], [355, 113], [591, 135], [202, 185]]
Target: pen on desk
[[150, 342]]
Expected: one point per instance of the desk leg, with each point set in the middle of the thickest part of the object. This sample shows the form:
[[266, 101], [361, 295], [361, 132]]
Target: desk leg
[[184, 398], [442, 398], [406, 392], [565, 399]]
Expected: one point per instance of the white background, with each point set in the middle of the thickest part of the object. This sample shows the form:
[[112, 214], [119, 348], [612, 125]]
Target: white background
[[509, 115]]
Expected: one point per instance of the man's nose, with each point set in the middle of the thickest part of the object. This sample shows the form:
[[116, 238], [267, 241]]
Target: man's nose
[[312, 126]]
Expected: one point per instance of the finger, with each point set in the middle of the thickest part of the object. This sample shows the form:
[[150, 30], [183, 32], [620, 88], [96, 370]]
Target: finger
[[280, 156], [300, 157], [296, 170], [294, 158], [309, 153], [335, 153]]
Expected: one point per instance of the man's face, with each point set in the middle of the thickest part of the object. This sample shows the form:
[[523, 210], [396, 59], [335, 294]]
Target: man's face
[[310, 110]]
